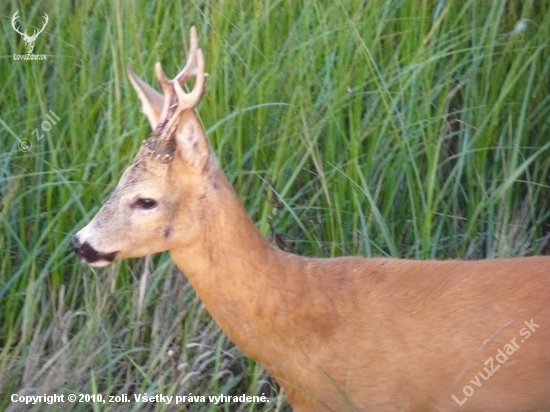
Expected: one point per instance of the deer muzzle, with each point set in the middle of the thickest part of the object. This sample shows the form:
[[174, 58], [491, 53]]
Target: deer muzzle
[[89, 255]]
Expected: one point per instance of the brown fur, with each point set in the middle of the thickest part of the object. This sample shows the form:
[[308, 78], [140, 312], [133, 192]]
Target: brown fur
[[374, 334]]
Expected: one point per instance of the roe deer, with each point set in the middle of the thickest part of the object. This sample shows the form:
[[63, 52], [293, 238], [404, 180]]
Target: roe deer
[[340, 334]]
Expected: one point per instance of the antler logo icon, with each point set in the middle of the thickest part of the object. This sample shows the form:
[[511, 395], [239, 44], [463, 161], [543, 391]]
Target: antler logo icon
[[29, 40]]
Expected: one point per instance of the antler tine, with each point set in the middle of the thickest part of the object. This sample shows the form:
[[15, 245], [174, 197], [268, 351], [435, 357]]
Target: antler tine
[[166, 90], [190, 69], [46, 20], [190, 100], [161, 77], [13, 23]]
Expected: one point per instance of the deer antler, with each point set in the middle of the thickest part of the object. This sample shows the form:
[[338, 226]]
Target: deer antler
[[36, 33], [162, 107], [161, 144], [194, 67], [190, 68], [13, 21], [24, 34], [189, 100]]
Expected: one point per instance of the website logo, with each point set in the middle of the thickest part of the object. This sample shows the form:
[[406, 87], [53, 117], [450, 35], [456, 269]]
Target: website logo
[[29, 40]]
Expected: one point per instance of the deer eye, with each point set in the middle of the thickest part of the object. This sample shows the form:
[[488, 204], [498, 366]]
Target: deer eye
[[145, 204]]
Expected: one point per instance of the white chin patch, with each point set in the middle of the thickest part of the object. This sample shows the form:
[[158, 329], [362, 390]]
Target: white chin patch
[[99, 263]]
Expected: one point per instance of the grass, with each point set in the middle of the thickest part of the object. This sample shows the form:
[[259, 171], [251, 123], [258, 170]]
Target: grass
[[413, 129]]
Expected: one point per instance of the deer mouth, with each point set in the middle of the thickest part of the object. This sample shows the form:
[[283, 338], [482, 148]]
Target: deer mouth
[[91, 256]]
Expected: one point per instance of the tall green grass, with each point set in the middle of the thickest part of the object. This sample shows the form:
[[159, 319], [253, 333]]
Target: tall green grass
[[409, 128]]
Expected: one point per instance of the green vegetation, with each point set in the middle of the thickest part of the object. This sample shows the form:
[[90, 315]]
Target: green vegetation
[[409, 128]]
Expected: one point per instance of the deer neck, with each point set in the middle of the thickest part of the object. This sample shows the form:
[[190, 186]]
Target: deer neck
[[236, 273]]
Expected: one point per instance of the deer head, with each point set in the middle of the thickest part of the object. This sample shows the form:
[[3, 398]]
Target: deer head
[[29, 40], [159, 196]]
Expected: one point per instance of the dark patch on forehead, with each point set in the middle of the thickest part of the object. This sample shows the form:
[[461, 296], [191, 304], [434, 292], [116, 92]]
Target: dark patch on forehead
[[161, 145], [161, 150]]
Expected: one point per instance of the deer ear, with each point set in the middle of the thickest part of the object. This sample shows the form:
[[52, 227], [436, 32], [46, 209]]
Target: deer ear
[[191, 141], [151, 100]]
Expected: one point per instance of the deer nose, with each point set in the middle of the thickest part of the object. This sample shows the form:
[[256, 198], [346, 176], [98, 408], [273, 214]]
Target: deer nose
[[75, 243], [88, 254], [83, 250]]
